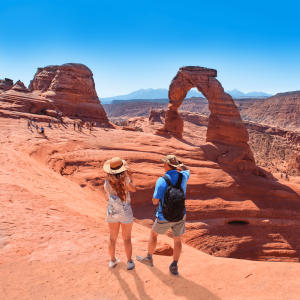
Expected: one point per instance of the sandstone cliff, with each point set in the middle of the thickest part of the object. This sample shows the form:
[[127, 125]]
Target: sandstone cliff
[[282, 110]]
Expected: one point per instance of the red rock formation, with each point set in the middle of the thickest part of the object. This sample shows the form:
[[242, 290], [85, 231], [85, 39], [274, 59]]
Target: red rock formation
[[226, 130], [224, 122], [6, 84], [155, 115], [20, 87], [72, 88]]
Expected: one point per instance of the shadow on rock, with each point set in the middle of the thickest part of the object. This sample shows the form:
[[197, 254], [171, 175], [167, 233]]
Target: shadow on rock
[[183, 287], [125, 286]]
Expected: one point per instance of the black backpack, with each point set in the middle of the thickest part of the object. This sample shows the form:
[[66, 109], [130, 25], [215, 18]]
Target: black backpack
[[173, 208]]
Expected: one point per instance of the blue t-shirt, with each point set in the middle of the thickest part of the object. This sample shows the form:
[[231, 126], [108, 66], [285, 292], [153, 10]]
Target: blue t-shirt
[[161, 187]]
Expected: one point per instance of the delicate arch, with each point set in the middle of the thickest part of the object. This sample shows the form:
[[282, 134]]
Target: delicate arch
[[224, 123]]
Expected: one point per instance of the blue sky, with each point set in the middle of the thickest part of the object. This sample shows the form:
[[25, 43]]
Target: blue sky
[[129, 45]]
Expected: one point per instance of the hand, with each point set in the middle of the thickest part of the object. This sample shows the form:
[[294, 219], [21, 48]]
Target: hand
[[185, 168]]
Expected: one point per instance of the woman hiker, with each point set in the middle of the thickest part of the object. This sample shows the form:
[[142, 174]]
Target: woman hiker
[[117, 186]]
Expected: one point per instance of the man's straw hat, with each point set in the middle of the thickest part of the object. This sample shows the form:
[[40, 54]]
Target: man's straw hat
[[172, 160], [115, 165]]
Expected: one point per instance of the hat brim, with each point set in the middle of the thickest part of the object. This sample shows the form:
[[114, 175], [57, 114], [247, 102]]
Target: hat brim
[[107, 169], [167, 161]]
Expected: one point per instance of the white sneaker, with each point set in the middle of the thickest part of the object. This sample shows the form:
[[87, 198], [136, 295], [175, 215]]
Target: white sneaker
[[112, 264], [130, 265]]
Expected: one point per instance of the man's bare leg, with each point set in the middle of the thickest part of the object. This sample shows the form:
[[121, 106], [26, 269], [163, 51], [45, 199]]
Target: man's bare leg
[[148, 260], [177, 248], [176, 254], [152, 242]]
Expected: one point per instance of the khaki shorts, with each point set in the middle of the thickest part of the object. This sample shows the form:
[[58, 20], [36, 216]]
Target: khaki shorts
[[161, 227]]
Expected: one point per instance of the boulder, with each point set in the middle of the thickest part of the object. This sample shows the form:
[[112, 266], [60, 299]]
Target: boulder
[[163, 249]]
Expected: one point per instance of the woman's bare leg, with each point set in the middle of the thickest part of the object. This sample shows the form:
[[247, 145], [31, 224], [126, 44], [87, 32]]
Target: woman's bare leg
[[126, 233], [114, 231]]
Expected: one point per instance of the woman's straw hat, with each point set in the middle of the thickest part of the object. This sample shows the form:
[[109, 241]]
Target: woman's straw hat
[[115, 165]]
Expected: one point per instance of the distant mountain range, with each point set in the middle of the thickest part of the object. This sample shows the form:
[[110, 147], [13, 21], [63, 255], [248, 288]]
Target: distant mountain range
[[148, 94], [238, 94], [163, 94]]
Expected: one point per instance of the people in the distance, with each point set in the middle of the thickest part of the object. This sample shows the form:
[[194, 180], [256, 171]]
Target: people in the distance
[[117, 186], [170, 193]]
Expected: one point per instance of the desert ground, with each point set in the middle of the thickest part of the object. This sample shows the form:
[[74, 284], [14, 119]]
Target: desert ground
[[54, 234]]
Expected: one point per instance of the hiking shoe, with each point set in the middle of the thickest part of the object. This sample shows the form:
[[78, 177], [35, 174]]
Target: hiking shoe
[[145, 260], [130, 265], [173, 269], [112, 264]]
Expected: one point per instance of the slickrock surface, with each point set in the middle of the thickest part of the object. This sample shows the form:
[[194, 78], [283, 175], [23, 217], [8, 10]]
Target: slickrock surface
[[54, 235], [282, 110], [72, 89]]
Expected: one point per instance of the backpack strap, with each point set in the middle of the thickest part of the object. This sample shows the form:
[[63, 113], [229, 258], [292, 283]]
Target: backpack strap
[[179, 181], [166, 178]]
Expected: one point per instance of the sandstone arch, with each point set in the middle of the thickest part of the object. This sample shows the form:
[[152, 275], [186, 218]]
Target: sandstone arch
[[225, 123]]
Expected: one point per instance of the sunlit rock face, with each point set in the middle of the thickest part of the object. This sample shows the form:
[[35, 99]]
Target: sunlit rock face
[[72, 88]]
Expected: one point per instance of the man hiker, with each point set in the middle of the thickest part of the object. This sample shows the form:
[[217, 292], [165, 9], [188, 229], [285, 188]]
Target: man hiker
[[170, 193]]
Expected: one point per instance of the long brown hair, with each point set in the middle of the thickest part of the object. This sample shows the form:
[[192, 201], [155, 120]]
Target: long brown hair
[[118, 183]]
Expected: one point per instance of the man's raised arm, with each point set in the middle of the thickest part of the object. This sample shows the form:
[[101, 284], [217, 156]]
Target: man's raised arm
[[185, 168]]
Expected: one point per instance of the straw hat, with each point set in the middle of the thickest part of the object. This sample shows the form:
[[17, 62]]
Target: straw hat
[[172, 160], [115, 165]]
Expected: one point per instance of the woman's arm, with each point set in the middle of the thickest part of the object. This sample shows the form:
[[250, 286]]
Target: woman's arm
[[131, 185]]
